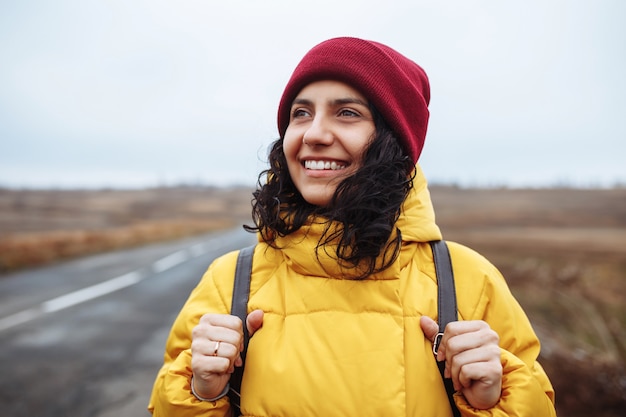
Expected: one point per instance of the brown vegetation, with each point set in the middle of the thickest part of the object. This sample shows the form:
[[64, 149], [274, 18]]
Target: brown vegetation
[[563, 252], [44, 226]]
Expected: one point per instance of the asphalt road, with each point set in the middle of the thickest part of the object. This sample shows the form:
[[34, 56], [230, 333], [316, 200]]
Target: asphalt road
[[86, 337]]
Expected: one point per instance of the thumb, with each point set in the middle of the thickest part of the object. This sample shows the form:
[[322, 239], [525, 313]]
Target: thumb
[[429, 327], [254, 321]]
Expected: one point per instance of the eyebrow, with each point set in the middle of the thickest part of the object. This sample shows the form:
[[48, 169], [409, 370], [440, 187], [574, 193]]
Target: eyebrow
[[336, 102], [350, 100]]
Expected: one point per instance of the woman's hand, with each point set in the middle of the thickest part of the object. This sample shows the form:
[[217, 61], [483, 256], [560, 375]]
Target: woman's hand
[[217, 342], [472, 355]]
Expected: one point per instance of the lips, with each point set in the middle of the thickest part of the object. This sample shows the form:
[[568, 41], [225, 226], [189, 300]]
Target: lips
[[322, 165]]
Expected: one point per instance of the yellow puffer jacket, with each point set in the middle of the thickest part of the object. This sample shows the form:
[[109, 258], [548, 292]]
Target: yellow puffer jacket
[[340, 347]]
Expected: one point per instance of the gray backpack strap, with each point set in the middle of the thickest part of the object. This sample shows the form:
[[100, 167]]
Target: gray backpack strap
[[239, 308], [446, 307]]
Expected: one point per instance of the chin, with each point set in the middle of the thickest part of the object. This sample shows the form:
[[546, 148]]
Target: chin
[[320, 199]]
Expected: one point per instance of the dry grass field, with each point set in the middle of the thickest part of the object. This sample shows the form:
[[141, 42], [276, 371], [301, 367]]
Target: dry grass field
[[563, 252], [42, 226]]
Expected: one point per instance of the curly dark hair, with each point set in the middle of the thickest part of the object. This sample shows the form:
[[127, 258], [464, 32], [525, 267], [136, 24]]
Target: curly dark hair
[[365, 205]]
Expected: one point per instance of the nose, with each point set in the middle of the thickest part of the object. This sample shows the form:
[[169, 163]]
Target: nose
[[318, 132]]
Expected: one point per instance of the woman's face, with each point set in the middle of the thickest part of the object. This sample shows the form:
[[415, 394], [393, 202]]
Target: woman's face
[[329, 128]]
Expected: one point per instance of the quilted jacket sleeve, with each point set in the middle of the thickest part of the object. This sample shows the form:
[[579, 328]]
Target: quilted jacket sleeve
[[526, 389], [171, 393]]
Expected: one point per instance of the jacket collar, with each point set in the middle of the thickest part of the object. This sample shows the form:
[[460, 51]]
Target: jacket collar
[[416, 223], [417, 219]]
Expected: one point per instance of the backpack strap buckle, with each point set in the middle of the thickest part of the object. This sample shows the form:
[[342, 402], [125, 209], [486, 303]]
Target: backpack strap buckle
[[437, 342]]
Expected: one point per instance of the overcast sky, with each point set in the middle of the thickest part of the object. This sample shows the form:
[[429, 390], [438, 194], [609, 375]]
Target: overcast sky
[[129, 93]]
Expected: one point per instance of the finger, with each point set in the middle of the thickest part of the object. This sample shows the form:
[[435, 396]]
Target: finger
[[210, 359], [238, 361], [431, 329], [487, 357], [221, 349], [254, 321], [223, 327], [456, 328], [206, 366], [212, 349], [460, 336], [222, 320], [204, 339], [485, 373]]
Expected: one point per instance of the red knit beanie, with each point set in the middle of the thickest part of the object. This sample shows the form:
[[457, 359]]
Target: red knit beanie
[[397, 86]]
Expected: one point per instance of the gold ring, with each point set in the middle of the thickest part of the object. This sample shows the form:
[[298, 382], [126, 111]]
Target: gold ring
[[217, 347]]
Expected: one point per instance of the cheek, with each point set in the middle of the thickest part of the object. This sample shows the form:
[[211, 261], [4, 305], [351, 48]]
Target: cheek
[[357, 144], [291, 146]]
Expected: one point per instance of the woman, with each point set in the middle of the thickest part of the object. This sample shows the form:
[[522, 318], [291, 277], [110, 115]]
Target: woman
[[343, 297]]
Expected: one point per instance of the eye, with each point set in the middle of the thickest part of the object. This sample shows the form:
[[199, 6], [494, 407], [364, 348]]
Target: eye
[[299, 112], [349, 113]]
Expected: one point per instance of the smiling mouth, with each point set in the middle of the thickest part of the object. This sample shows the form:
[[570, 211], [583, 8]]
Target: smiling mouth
[[323, 165]]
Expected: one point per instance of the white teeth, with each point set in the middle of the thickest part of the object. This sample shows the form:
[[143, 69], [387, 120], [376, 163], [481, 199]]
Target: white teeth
[[321, 165]]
